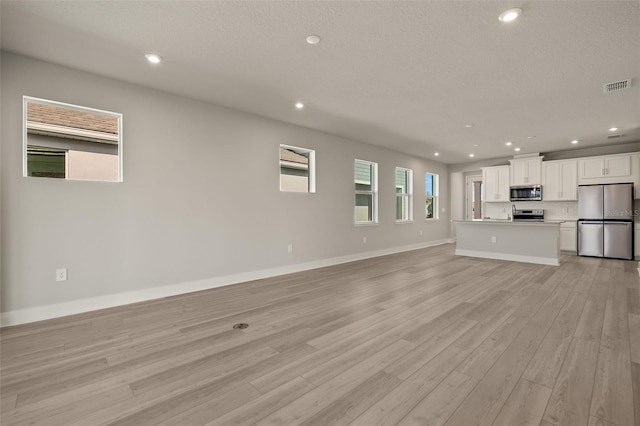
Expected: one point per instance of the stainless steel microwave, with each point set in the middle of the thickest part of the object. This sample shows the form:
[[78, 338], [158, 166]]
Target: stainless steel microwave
[[526, 193]]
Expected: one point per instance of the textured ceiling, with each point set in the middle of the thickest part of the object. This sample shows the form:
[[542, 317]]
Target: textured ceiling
[[406, 75]]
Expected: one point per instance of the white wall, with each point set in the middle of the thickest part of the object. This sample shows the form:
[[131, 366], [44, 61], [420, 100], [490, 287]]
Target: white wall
[[199, 200], [457, 198]]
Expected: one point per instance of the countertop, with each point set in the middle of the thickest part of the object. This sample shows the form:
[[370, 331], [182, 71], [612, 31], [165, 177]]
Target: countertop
[[510, 222]]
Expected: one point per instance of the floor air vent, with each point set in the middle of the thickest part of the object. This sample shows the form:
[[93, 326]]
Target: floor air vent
[[616, 86], [614, 136], [241, 325]]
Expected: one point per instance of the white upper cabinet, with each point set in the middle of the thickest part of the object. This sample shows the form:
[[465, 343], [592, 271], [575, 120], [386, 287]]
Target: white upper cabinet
[[604, 169], [526, 171], [495, 184], [560, 180]]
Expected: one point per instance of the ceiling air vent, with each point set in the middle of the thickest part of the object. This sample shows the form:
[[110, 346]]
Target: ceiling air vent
[[617, 86], [615, 136]]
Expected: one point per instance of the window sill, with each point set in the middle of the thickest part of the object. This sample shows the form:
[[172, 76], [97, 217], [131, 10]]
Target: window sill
[[297, 192], [403, 222], [431, 220], [359, 224]]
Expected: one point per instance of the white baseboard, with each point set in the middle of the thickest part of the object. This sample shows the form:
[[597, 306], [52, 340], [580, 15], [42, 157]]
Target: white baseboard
[[505, 256], [45, 312]]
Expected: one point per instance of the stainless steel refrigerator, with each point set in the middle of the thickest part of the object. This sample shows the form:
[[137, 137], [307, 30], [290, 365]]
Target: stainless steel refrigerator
[[605, 224]]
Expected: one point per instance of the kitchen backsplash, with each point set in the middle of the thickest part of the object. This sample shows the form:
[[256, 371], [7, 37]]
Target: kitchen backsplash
[[561, 210]]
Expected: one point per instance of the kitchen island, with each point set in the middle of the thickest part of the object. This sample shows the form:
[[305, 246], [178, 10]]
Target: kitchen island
[[531, 242]]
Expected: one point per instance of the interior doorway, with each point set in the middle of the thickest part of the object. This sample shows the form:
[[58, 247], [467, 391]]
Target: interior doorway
[[474, 204]]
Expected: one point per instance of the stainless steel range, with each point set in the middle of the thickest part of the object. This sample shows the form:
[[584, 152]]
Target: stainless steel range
[[535, 215]]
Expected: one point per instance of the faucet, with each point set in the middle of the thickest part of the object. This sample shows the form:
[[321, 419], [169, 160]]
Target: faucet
[[513, 210]]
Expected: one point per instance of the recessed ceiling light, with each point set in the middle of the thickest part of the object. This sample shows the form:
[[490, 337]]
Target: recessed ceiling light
[[472, 155], [530, 137], [299, 105], [516, 149], [313, 39], [613, 129], [468, 125], [575, 141], [436, 154], [508, 143], [475, 144], [153, 58], [510, 14]]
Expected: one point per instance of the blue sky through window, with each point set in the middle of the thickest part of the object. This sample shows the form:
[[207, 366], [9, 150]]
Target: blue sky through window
[[429, 184]]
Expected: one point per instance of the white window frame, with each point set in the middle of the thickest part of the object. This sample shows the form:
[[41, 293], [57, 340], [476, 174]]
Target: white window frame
[[404, 198], [435, 198], [311, 187], [373, 193], [119, 138]]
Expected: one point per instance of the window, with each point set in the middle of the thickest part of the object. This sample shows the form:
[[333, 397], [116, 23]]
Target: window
[[297, 169], [366, 187], [431, 191], [404, 194], [46, 162], [71, 142]]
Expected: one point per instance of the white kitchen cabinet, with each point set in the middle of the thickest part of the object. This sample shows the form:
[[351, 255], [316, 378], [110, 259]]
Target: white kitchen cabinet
[[526, 171], [635, 174], [495, 184], [560, 180], [604, 169], [636, 251], [568, 236]]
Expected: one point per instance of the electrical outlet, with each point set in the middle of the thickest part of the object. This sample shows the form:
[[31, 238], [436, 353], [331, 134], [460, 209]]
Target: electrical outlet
[[61, 274], [494, 240], [290, 248], [364, 240]]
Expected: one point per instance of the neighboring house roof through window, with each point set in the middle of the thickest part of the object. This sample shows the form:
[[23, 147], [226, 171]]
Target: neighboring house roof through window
[[292, 159], [52, 120], [292, 156]]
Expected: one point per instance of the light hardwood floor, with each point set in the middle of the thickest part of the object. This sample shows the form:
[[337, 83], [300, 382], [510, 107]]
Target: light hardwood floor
[[417, 338]]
